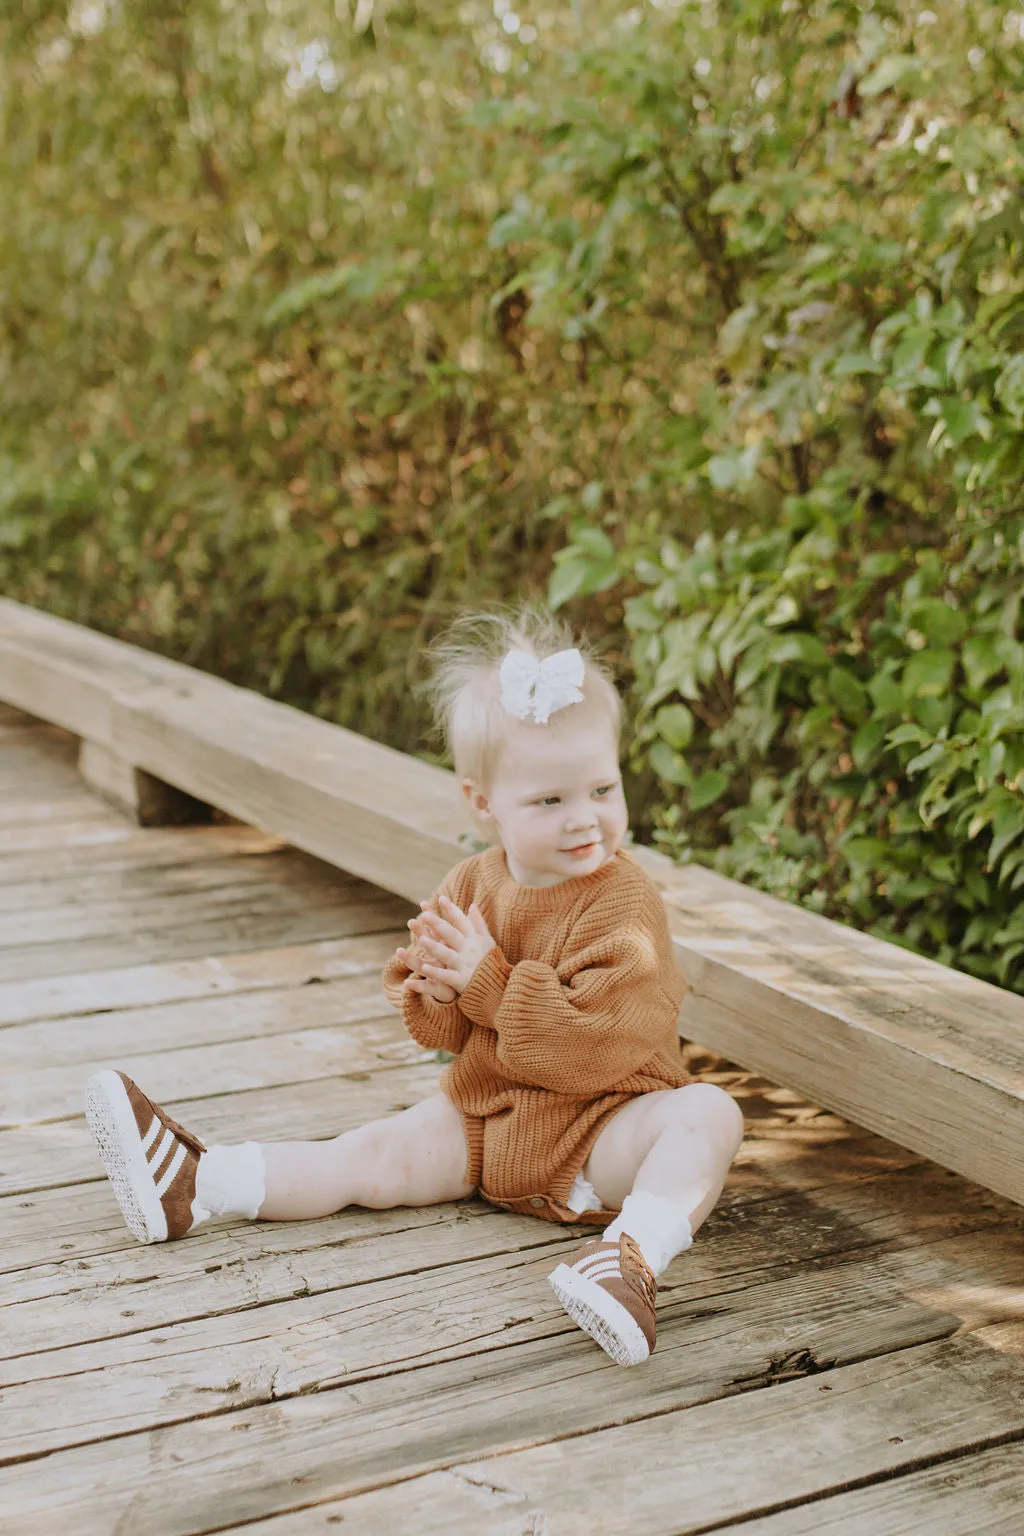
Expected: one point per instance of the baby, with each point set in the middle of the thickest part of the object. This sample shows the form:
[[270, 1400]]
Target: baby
[[544, 965]]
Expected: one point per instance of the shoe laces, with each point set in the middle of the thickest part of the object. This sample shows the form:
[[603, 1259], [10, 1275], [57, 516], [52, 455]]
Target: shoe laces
[[188, 1137], [640, 1270]]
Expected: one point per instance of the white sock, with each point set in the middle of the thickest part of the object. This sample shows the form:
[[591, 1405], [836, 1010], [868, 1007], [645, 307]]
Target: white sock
[[659, 1227], [230, 1181]]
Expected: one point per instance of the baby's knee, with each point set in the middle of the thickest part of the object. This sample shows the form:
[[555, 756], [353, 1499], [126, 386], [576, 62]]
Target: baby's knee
[[714, 1110]]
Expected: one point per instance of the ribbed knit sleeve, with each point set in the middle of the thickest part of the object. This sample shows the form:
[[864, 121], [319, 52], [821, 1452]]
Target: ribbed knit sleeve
[[598, 1016], [435, 1026]]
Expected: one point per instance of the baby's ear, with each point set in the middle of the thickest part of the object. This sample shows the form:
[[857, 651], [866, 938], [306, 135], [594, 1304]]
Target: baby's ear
[[478, 802]]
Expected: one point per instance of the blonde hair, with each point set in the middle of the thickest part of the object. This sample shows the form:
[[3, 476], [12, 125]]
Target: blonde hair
[[465, 694]]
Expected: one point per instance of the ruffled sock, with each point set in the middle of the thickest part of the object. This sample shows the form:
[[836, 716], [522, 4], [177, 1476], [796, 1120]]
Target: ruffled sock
[[660, 1228], [230, 1181]]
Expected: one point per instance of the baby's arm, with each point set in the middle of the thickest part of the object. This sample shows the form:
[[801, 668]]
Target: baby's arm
[[596, 1018]]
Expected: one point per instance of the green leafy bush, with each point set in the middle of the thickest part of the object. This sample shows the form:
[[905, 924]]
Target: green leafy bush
[[830, 693], [853, 725], [260, 405]]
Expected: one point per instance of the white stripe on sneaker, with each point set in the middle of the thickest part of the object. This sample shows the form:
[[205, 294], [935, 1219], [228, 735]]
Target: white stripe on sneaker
[[168, 1178], [596, 1260], [602, 1272], [167, 1141], [158, 1170], [152, 1133]]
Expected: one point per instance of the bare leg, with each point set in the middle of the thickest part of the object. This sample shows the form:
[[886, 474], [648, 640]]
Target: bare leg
[[678, 1143], [417, 1157]]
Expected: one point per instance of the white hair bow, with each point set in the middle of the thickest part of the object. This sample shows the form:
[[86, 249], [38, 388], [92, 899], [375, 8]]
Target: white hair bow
[[540, 686]]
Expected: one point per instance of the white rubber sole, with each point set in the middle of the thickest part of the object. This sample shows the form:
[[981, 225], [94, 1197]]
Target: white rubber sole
[[605, 1319], [111, 1120]]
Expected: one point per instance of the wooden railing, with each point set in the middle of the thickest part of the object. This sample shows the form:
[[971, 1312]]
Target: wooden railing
[[922, 1054]]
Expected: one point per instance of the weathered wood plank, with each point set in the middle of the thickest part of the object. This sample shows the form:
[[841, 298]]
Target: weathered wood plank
[[726, 1459], [433, 1504], [969, 1118], [980, 1495], [435, 1312], [101, 829], [718, 1458], [239, 1016], [239, 1264], [292, 879], [135, 848], [253, 928], [44, 1232], [325, 789], [370, 1035], [37, 765], [238, 869], [290, 888], [77, 808], [131, 852], [77, 995], [35, 776]]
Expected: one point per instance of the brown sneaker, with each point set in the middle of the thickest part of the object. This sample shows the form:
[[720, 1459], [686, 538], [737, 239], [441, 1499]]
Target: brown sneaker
[[150, 1159], [610, 1292]]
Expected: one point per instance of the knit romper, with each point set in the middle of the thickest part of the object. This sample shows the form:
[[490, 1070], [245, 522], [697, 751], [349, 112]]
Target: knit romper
[[572, 1014]]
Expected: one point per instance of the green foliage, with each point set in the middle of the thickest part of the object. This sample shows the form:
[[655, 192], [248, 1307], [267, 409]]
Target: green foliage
[[830, 692], [260, 407], [858, 736]]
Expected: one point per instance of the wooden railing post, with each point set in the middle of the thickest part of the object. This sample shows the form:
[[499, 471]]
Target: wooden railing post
[[138, 794]]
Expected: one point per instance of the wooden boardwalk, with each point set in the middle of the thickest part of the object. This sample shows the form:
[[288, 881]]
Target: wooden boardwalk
[[842, 1350]]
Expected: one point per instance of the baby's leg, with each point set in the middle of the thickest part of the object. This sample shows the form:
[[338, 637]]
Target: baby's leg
[[663, 1158], [167, 1182], [417, 1157], [677, 1144]]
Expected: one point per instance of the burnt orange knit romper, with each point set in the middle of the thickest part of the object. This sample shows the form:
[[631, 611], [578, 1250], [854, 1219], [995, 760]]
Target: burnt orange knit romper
[[571, 1015]]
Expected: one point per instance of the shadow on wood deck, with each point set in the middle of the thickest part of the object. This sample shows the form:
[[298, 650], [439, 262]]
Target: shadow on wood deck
[[841, 1351]]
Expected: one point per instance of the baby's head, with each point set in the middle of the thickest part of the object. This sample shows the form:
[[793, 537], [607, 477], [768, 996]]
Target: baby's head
[[542, 788]]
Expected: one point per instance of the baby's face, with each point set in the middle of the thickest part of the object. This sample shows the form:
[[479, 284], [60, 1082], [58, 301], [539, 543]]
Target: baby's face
[[552, 794]]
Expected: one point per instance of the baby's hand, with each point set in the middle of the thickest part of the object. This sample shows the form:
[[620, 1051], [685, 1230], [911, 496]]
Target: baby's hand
[[418, 982], [455, 942], [435, 989]]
